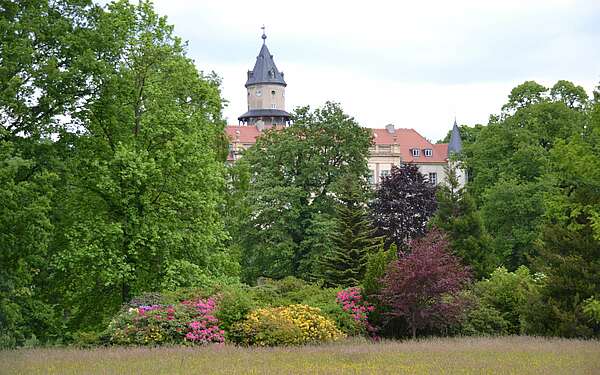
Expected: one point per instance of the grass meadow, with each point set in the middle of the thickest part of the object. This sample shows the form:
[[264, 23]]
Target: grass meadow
[[507, 355]]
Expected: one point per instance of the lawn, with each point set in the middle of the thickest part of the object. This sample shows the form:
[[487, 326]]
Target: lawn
[[511, 355]]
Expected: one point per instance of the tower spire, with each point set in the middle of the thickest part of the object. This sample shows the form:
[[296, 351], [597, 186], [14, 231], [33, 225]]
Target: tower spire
[[455, 144], [264, 36]]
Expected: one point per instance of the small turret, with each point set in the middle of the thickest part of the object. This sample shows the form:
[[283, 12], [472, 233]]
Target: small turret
[[455, 145]]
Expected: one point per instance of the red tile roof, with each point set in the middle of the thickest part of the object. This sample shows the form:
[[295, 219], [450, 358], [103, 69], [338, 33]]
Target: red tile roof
[[242, 134], [406, 138]]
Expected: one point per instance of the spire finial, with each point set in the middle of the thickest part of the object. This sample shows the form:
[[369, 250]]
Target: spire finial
[[264, 36]]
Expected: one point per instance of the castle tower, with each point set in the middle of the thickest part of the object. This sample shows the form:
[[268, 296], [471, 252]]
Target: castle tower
[[265, 92]]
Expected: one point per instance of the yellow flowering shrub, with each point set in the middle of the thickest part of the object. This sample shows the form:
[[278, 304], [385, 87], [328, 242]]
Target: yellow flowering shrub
[[286, 325]]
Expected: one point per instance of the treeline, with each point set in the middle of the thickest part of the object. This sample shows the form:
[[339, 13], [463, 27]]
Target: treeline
[[115, 183]]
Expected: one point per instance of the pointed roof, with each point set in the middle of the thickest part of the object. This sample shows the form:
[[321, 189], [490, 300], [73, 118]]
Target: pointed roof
[[455, 144], [265, 70]]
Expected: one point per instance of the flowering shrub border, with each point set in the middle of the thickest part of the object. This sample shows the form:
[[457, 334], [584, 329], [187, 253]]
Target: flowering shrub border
[[186, 322]]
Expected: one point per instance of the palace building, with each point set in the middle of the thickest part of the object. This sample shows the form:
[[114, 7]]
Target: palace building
[[391, 146]]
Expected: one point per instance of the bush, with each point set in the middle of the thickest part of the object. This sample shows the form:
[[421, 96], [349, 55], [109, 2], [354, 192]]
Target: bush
[[289, 325], [290, 290], [233, 304], [484, 320], [376, 266], [186, 322], [510, 293], [591, 309], [352, 302]]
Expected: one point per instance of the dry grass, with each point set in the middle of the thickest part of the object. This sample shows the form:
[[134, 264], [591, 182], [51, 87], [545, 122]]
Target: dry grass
[[509, 355]]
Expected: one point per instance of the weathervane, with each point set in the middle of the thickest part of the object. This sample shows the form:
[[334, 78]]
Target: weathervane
[[264, 36]]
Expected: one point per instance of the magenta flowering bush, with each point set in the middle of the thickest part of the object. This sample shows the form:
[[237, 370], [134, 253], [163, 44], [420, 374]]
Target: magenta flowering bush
[[186, 322], [205, 329], [353, 303]]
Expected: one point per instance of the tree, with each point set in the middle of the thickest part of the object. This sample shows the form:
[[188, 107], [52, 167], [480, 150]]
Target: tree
[[47, 61], [570, 240], [573, 96], [296, 178], [527, 93], [458, 217], [377, 263], [353, 239], [25, 232], [512, 211], [47, 55], [143, 173], [423, 287], [403, 204]]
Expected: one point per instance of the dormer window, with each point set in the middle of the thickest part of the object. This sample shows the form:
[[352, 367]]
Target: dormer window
[[428, 152], [415, 152]]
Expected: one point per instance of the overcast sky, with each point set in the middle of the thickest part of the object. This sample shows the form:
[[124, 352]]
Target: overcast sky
[[415, 64]]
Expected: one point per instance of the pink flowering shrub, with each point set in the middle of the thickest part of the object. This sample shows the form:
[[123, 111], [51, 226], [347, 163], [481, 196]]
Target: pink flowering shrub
[[186, 322], [205, 328], [354, 304]]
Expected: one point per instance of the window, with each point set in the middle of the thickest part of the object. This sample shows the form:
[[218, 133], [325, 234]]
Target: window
[[371, 174], [433, 178], [415, 152], [273, 106], [428, 152], [384, 173], [273, 92], [258, 93]]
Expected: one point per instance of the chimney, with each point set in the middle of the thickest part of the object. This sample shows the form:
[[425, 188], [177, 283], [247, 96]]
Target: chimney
[[390, 128]]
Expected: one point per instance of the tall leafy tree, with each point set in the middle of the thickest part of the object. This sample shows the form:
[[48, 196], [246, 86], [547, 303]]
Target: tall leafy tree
[[457, 215], [47, 52], [570, 241], [143, 175], [353, 239], [47, 57], [403, 205], [25, 232], [296, 174], [422, 287], [510, 158]]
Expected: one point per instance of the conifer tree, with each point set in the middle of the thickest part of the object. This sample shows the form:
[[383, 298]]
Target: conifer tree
[[458, 217], [353, 239]]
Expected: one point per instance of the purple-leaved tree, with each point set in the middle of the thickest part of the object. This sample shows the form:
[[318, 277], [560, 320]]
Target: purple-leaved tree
[[423, 286], [404, 202]]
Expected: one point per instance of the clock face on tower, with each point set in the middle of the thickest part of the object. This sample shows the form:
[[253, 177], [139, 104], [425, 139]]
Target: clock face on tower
[[258, 93]]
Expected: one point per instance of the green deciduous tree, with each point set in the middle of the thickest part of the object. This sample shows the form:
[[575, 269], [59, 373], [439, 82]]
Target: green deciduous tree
[[296, 174], [512, 211], [143, 175], [25, 232], [570, 241]]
